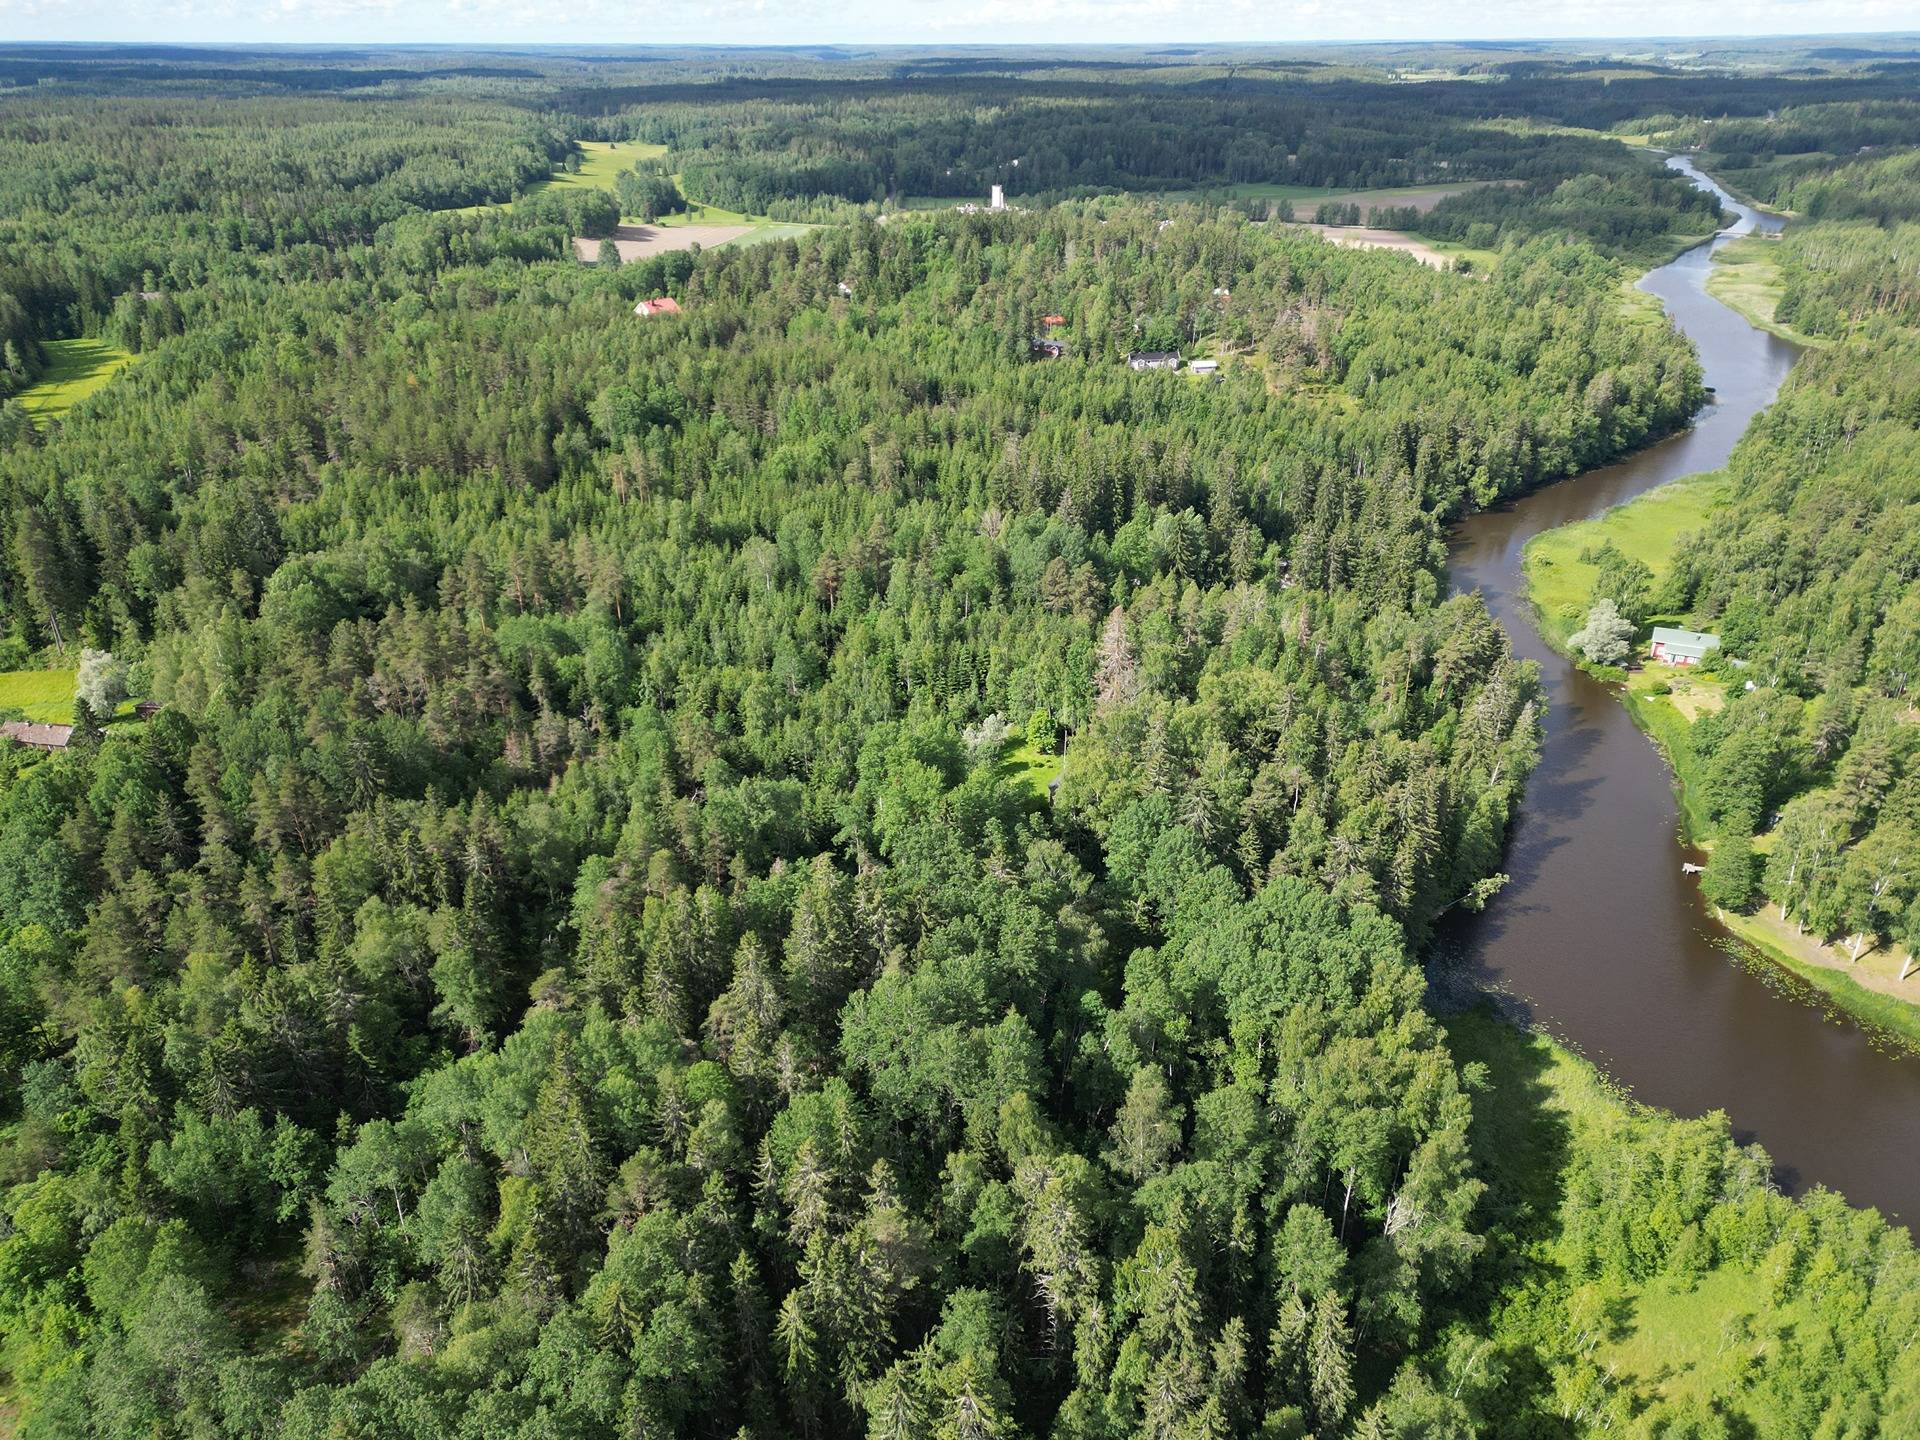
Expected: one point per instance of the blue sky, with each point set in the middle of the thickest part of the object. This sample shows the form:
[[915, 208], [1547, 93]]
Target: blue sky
[[755, 22]]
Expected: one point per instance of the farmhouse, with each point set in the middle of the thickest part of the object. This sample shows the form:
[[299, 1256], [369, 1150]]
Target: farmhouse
[[1153, 360], [1046, 349], [1681, 647], [660, 305], [40, 737]]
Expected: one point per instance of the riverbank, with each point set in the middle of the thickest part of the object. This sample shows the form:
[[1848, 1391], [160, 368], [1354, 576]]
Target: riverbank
[[1674, 1337], [1868, 989], [1664, 703], [1746, 279]]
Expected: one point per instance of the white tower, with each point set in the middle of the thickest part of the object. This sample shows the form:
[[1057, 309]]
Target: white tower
[[999, 201]]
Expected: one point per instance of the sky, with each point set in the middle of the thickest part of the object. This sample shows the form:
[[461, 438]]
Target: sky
[[1004, 22]]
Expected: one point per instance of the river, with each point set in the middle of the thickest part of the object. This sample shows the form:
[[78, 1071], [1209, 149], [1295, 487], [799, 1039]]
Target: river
[[1598, 937]]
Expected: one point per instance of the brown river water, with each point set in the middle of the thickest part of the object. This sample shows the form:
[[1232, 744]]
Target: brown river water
[[1598, 938]]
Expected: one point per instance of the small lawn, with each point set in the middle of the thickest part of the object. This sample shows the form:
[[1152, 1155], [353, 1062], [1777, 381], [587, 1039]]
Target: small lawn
[[1026, 763], [43, 695], [75, 369]]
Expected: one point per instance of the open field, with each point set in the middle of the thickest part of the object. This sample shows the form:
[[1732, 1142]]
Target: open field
[[773, 230], [75, 369], [1365, 237], [601, 161], [637, 242], [44, 695], [698, 214], [1746, 278]]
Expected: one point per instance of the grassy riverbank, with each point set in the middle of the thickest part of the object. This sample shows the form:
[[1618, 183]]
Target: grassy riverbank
[[1665, 1340], [1648, 529], [1746, 279], [1665, 702]]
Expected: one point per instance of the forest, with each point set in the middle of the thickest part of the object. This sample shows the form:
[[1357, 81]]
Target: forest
[[793, 869]]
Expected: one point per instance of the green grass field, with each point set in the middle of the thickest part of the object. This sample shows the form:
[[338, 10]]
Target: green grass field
[[75, 369], [1560, 587], [45, 695], [1036, 767], [1746, 278], [601, 161], [1559, 583]]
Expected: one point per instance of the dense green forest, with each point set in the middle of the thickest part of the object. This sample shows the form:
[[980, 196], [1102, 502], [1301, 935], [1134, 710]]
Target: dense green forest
[[793, 869]]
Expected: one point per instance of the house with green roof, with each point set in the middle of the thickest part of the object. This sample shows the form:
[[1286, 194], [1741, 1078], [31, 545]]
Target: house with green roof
[[1681, 647]]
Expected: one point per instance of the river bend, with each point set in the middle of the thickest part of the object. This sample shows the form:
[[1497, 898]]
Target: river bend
[[1598, 937]]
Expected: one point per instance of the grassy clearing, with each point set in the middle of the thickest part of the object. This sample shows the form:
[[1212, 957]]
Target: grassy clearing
[[75, 369], [1746, 278], [43, 695], [773, 230], [1647, 529], [1027, 763], [698, 214], [601, 161], [1560, 587]]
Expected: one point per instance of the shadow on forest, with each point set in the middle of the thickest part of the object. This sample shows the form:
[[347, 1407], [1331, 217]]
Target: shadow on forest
[[1521, 1145]]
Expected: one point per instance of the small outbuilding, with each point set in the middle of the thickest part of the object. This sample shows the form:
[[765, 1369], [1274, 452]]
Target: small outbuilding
[[36, 735], [1681, 647], [1204, 367], [659, 305], [1045, 349], [1153, 360], [1052, 320]]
